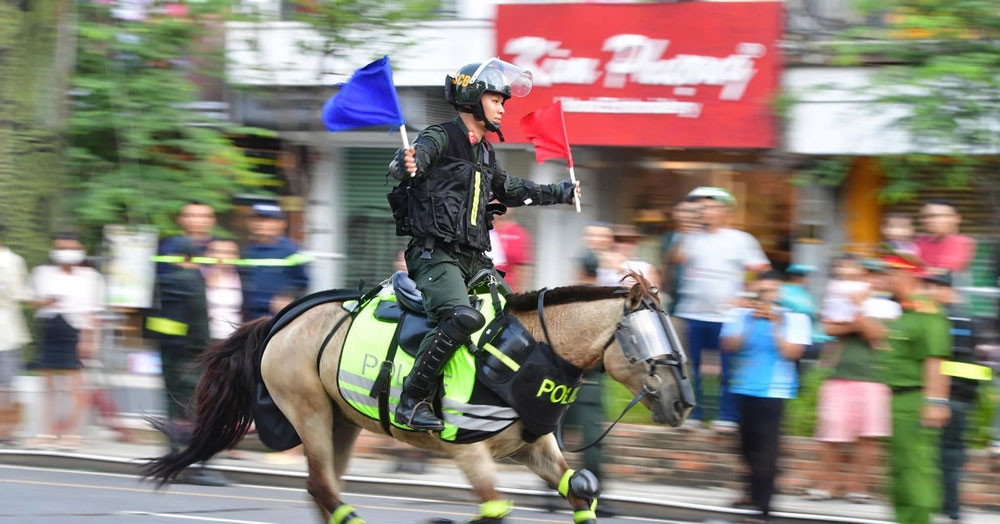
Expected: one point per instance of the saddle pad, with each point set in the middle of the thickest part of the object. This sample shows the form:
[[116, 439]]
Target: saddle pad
[[273, 428], [364, 350]]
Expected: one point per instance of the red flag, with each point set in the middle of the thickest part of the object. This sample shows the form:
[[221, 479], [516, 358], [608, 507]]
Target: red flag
[[546, 128]]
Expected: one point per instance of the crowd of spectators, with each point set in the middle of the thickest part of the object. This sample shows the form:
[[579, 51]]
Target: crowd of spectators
[[206, 285]]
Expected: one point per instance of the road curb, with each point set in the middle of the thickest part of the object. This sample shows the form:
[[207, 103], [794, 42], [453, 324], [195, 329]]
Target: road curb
[[451, 492]]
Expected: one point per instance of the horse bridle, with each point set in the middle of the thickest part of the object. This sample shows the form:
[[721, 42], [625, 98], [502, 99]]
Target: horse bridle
[[675, 359]]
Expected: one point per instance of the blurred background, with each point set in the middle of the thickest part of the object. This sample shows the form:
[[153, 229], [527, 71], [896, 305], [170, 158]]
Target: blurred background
[[820, 117]]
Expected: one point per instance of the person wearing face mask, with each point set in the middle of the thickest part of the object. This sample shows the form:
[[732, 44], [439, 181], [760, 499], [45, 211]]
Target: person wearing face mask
[[69, 296]]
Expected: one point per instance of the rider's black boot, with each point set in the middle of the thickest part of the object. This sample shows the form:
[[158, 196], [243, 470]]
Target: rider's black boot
[[454, 329]]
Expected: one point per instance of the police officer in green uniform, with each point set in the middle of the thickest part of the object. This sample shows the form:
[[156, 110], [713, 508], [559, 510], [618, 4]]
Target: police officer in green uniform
[[449, 176], [919, 341]]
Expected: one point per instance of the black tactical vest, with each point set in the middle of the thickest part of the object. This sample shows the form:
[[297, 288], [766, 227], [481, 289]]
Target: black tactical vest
[[448, 203]]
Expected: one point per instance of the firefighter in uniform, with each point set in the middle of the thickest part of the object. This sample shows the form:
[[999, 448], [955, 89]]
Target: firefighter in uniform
[[449, 176], [181, 325], [919, 341]]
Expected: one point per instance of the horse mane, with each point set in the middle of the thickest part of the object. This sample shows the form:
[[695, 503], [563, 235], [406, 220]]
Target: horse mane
[[585, 293], [562, 295]]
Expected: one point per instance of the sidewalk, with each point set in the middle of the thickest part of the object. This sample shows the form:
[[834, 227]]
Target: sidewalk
[[444, 481]]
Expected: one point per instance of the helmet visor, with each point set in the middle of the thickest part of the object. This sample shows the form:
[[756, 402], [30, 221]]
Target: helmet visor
[[497, 73]]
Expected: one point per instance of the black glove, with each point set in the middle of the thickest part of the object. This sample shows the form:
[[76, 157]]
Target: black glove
[[493, 210], [567, 191]]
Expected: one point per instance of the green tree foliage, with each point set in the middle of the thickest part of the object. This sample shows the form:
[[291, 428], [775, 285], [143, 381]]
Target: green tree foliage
[[137, 151], [943, 61], [348, 24]]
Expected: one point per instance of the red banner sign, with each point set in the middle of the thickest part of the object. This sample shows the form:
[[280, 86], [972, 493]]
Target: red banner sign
[[693, 74]]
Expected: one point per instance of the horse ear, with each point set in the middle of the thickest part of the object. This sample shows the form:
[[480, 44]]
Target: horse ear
[[635, 293], [641, 292]]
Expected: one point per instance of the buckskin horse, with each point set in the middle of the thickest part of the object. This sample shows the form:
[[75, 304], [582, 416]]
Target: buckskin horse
[[625, 331]]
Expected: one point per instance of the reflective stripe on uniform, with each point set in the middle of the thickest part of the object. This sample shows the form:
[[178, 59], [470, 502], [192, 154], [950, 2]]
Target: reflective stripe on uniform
[[476, 424], [474, 214], [507, 361], [365, 384], [479, 410], [295, 259], [360, 398], [166, 326], [966, 370], [208, 261], [168, 259]]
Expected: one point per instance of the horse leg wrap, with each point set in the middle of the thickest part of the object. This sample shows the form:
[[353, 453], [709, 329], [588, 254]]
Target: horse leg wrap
[[344, 514], [493, 511], [582, 484]]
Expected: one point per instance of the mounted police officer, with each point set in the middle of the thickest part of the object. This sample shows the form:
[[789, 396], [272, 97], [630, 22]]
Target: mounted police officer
[[449, 176]]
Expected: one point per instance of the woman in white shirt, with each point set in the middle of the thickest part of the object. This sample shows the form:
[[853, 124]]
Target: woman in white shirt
[[69, 296], [223, 289]]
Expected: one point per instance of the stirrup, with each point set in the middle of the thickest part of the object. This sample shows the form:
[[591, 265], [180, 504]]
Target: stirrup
[[413, 413]]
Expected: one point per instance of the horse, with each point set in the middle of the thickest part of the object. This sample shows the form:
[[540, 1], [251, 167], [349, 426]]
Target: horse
[[583, 325]]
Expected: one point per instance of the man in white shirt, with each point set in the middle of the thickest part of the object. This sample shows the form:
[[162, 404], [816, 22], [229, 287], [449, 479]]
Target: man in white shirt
[[14, 289], [715, 261]]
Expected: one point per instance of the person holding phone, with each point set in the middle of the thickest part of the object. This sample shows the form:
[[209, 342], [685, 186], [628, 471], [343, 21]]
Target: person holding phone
[[765, 340]]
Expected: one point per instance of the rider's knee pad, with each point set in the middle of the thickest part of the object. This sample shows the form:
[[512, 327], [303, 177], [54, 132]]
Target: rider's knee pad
[[461, 322], [583, 484]]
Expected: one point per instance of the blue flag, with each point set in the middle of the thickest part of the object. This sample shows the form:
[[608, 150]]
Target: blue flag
[[368, 99]]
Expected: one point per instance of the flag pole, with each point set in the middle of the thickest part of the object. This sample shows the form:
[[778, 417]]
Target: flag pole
[[569, 157], [576, 198], [406, 142], [403, 135]]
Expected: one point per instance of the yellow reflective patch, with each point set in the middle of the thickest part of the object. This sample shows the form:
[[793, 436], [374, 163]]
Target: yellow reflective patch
[[507, 361], [338, 514], [495, 509], [168, 259], [166, 326], [966, 370], [564, 482], [473, 219]]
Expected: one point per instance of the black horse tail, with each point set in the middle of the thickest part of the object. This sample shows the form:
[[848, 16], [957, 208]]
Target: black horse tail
[[223, 401]]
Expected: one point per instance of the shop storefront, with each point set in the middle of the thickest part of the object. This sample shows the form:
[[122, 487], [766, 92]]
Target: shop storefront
[[660, 99]]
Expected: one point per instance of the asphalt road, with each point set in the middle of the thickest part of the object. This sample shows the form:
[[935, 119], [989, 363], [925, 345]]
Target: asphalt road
[[40, 495]]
